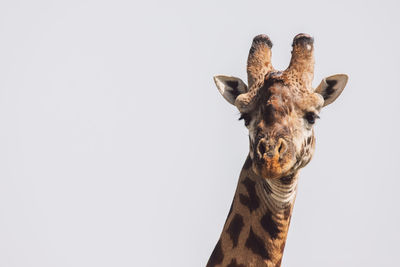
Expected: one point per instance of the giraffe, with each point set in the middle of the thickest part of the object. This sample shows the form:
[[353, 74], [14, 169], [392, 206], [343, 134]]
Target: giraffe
[[279, 108]]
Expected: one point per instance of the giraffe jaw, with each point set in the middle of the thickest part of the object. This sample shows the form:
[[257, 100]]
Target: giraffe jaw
[[275, 167]]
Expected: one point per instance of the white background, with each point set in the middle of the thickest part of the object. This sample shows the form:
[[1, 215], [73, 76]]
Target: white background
[[116, 148]]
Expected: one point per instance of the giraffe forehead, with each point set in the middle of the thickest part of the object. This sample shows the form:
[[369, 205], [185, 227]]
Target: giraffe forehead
[[284, 98], [277, 103]]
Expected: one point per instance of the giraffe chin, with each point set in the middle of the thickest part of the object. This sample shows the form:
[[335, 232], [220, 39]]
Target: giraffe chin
[[275, 167]]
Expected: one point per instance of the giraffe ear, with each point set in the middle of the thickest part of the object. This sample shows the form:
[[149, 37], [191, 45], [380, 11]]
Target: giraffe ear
[[331, 87], [230, 87]]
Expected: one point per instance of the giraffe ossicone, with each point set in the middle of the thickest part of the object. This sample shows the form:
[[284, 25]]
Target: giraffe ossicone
[[279, 108]]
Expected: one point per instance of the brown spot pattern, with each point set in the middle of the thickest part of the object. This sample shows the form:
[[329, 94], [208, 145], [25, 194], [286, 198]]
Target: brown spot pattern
[[269, 225], [252, 201], [234, 229], [233, 263], [217, 256], [256, 245]]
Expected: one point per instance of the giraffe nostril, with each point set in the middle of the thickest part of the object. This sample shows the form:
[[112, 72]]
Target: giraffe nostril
[[261, 149], [280, 148]]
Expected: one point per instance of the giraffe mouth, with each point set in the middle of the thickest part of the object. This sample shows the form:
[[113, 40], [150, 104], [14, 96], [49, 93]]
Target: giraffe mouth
[[273, 169]]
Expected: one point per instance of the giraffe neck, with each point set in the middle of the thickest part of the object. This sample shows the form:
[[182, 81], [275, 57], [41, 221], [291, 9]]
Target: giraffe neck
[[256, 228]]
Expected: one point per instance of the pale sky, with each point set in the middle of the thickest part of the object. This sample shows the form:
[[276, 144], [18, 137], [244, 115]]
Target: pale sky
[[116, 148]]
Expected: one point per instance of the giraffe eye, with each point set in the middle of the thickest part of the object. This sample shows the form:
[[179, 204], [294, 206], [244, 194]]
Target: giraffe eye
[[246, 117], [310, 117]]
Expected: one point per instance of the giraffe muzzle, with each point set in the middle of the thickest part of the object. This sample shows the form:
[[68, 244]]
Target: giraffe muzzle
[[273, 158], [270, 149]]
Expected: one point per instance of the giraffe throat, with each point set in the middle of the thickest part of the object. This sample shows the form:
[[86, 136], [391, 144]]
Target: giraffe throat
[[255, 230]]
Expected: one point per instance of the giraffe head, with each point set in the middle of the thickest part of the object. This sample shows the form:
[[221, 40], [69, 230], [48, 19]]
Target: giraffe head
[[280, 108]]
